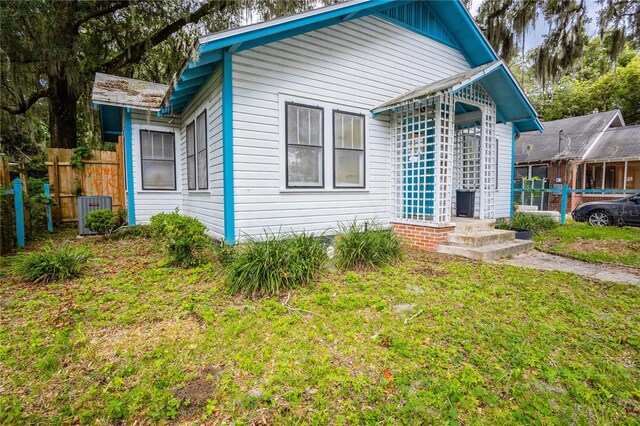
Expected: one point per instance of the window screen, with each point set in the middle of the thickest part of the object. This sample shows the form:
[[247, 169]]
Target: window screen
[[158, 160], [305, 146], [201, 138], [191, 156], [348, 164]]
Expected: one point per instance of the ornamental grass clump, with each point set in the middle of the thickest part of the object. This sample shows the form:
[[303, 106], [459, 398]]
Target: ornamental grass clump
[[527, 221], [51, 263], [362, 245], [183, 237], [273, 264]]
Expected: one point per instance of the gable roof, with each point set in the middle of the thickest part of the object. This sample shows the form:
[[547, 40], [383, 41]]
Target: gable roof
[[578, 135], [446, 21], [127, 92], [617, 143], [511, 103]]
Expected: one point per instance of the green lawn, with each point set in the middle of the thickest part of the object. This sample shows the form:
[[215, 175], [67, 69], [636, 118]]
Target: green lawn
[[593, 244], [433, 340]]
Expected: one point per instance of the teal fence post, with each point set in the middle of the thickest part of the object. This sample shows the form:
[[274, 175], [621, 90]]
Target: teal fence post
[[19, 204], [47, 193], [563, 207]]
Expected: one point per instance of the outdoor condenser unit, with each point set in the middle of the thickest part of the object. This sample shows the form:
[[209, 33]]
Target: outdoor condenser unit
[[89, 204]]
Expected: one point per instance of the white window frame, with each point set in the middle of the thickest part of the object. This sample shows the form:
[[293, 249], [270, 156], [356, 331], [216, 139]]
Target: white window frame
[[328, 108]]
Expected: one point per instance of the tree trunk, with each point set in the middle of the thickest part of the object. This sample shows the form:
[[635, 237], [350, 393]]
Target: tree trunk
[[63, 109]]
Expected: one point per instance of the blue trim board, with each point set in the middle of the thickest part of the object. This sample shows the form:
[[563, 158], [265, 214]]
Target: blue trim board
[[513, 166], [128, 152], [227, 147]]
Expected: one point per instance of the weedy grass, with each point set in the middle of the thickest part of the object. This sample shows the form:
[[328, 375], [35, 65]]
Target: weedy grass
[[361, 245], [430, 340], [618, 245], [274, 263], [51, 263]]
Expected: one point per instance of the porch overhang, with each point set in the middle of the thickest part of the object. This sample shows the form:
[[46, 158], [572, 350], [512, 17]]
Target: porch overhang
[[512, 104]]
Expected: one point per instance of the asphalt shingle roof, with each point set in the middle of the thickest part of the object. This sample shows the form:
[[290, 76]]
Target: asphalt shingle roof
[[578, 134], [617, 142]]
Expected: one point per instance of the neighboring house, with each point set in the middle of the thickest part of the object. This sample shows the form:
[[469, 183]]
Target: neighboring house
[[368, 110], [595, 151]]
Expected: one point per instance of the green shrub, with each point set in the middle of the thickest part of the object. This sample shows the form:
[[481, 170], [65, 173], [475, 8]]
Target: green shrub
[[224, 253], [103, 221], [131, 232], [273, 264], [51, 263], [370, 246], [527, 221], [183, 237]]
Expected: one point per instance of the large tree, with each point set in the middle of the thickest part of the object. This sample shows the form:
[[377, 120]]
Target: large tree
[[50, 49]]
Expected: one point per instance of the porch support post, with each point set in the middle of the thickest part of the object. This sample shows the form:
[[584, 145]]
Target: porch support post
[[437, 197], [128, 143], [483, 149], [513, 167]]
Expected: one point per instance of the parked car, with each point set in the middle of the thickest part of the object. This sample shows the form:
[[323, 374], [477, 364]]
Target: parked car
[[623, 212]]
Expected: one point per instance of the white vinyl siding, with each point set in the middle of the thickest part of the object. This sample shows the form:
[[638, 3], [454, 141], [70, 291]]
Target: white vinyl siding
[[352, 66], [505, 166], [205, 205]]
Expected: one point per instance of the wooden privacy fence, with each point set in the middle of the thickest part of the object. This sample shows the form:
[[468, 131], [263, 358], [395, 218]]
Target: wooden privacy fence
[[102, 173]]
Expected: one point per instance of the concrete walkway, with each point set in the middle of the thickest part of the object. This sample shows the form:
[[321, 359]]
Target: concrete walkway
[[549, 262]]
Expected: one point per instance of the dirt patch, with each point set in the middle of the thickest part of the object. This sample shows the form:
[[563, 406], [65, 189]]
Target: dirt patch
[[194, 394], [597, 246]]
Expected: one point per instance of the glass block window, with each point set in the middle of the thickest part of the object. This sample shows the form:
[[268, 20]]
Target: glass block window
[[305, 146], [158, 160], [349, 150]]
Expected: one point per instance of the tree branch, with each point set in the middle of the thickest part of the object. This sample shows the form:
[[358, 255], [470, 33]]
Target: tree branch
[[134, 52], [101, 12], [25, 104]]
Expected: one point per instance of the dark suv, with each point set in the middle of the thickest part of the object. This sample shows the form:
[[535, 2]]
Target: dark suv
[[623, 212]]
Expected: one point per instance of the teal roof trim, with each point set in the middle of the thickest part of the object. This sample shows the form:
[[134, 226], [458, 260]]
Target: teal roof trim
[[445, 21]]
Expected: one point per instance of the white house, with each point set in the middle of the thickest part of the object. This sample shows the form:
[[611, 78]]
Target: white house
[[368, 109]]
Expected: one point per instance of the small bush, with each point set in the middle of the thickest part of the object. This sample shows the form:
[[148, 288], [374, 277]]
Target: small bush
[[527, 221], [372, 246], [224, 253], [51, 263], [104, 221], [132, 232], [274, 264], [183, 237]]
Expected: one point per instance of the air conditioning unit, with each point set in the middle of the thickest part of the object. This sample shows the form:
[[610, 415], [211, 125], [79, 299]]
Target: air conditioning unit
[[89, 204]]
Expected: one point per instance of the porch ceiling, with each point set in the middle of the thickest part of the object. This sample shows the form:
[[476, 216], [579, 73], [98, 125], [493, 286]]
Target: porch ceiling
[[511, 102]]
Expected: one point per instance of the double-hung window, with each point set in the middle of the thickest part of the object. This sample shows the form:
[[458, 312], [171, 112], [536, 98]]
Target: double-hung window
[[305, 146], [158, 160], [348, 150], [197, 176]]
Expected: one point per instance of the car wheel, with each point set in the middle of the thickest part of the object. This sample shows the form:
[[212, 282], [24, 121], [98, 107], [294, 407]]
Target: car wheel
[[599, 218]]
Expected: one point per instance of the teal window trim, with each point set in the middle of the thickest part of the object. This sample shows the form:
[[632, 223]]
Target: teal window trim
[[227, 147]]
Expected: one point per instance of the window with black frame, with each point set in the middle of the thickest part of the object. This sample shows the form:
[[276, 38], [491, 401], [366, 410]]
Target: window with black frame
[[201, 143], [305, 146], [348, 150], [191, 156], [158, 160]]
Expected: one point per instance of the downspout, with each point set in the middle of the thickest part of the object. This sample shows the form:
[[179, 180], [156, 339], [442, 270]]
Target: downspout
[[128, 144], [227, 146]]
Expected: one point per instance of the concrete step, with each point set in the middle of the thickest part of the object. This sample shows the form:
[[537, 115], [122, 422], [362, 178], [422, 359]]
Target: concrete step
[[479, 238], [488, 252], [465, 225]]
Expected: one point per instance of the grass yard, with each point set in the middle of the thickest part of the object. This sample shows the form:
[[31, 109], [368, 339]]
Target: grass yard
[[593, 244], [433, 340]]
